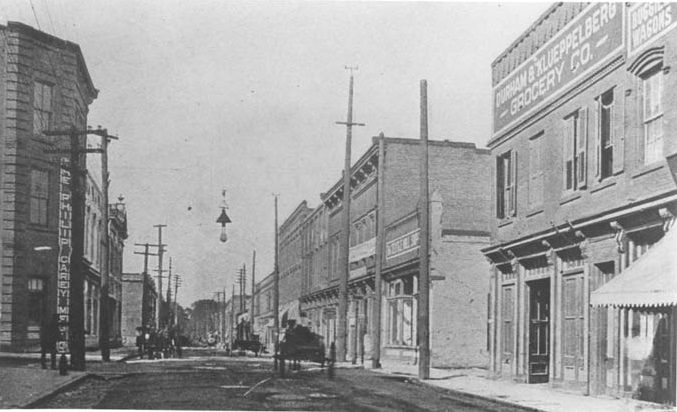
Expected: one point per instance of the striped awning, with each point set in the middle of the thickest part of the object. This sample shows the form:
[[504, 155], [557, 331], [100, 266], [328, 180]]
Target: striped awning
[[650, 281]]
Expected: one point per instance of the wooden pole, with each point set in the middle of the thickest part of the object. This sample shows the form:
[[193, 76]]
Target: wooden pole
[[380, 247], [423, 331], [276, 291], [344, 271]]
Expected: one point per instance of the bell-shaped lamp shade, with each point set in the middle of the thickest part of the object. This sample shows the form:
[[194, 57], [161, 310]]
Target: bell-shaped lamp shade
[[223, 219]]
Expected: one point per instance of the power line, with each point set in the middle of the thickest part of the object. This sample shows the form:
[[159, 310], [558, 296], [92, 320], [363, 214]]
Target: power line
[[35, 15]]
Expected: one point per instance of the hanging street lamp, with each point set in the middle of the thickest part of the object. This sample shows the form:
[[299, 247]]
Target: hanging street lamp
[[223, 219]]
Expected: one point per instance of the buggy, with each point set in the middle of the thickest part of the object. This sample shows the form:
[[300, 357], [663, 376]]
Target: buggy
[[300, 344]]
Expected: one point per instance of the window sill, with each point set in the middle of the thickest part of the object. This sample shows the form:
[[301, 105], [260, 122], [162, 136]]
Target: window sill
[[646, 169], [569, 197], [607, 182], [506, 221], [392, 346], [534, 212]]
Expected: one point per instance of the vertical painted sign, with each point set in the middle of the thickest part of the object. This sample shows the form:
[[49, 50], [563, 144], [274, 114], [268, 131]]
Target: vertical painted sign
[[63, 282], [582, 45], [647, 22]]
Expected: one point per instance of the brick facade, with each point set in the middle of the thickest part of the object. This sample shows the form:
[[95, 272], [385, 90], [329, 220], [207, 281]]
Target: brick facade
[[459, 181], [38, 70], [584, 183]]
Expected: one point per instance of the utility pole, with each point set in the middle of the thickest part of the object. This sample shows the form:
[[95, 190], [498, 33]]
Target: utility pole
[[251, 311], [345, 233], [380, 247], [423, 321], [169, 292], [177, 279], [104, 336], [232, 319], [276, 291], [243, 288], [145, 254], [161, 251], [77, 162]]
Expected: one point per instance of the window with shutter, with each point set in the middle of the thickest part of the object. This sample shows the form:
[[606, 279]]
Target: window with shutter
[[505, 184], [574, 151], [513, 183], [568, 132], [605, 135], [535, 172], [581, 139]]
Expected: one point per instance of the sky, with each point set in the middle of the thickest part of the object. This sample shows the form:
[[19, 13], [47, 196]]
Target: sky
[[210, 95]]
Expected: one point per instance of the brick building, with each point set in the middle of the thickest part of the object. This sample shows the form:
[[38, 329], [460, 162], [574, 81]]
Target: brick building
[[459, 181], [44, 84], [138, 306], [263, 311], [584, 184]]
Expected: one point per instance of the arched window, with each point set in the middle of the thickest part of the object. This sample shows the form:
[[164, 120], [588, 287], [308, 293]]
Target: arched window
[[648, 67]]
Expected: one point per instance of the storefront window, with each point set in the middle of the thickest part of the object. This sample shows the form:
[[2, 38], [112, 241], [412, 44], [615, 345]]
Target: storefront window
[[400, 313]]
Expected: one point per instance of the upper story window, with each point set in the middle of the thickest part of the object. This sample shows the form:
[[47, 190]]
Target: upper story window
[[605, 151], [653, 116], [42, 107], [39, 196], [535, 171], [574, 152], [506, 187]]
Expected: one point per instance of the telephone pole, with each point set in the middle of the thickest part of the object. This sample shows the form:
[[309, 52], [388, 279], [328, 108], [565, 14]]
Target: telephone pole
[[423, 321], [177, 280], [345, 233], [276, 291], [145, 254], [169, 293], [75, 317], [251, 311], [160, 254]]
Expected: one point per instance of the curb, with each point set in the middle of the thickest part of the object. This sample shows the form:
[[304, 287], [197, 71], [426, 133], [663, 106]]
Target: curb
[[496, 401], [53, 392]]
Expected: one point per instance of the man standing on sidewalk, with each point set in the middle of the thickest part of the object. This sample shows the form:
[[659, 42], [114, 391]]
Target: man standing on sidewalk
[[49, 331]]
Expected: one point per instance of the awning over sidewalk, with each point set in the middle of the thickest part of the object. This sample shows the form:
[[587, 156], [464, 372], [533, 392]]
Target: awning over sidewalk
[[650, 281]]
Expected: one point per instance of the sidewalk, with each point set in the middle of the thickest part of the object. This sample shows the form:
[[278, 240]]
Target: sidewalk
[[535, 397], [22, 386]]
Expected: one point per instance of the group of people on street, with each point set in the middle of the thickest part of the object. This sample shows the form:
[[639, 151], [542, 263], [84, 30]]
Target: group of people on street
[[158, 344]]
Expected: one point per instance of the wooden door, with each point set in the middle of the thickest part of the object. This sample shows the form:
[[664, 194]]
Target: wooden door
[[573, 362], [539, 330]]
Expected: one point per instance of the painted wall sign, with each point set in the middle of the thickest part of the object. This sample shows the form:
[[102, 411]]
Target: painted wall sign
[[63, 283], [362, 251], [584, 43], [647, 21], [403, 244], [358, 272]]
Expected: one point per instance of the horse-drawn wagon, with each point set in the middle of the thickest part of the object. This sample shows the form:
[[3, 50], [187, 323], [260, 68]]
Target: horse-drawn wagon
[[300, 344]]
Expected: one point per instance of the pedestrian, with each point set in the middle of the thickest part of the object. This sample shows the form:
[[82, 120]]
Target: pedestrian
[[49, 333], [140, 341]]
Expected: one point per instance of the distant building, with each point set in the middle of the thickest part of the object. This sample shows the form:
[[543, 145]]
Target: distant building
[[44, 84], [583, 289], [138, 305], [264, 318], [459, 186]]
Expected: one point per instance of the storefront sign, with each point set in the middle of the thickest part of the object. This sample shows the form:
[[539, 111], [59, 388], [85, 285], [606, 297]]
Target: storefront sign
[[403, 244], [358, 272], [363, 250], [584, 43], [63, 283], [647, 21]]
